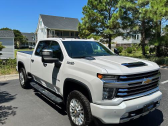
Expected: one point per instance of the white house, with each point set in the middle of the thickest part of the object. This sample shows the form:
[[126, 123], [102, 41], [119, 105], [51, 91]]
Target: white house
[[7, 39], [31, 40], [134, 39], [54, 26]]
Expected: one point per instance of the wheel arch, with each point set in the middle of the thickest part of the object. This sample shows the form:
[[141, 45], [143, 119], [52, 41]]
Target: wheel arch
[[71, 84], [21, 65]]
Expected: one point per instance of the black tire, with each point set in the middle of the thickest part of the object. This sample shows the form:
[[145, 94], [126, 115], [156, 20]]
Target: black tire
[[24, 84], [85, 104]]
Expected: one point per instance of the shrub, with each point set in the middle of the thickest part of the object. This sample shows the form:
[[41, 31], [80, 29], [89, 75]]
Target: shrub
[[151, 50], [129, 50], [135, 47], [139, 49], [8, 66], [1, 46], [161, 61], [120, 49], [147, 49]]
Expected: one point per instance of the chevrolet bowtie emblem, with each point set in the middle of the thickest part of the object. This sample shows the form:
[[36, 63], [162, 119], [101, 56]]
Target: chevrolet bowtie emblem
[[146, 81]]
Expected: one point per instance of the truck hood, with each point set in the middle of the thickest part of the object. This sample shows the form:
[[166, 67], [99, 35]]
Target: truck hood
[[120, 65]]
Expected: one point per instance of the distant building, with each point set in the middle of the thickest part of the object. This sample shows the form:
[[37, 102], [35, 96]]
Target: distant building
[[54, 27], [7, 39], [31, 39], [134, 39]]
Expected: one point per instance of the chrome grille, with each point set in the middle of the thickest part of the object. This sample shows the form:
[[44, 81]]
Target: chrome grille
[[138, 76], [137, 86]]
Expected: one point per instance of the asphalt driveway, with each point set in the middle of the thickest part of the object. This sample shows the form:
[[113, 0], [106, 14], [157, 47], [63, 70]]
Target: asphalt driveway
[[19, 107]]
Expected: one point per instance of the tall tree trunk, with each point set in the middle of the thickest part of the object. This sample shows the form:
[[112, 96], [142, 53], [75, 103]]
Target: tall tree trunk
[[158, 35], [143, 37], [109, 42]]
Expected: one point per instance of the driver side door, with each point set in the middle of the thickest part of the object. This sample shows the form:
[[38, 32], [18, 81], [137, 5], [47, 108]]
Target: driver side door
[[36, 62], [51, 71]]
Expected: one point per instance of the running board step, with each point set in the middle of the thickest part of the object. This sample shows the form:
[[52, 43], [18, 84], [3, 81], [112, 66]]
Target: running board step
[[45, 92]]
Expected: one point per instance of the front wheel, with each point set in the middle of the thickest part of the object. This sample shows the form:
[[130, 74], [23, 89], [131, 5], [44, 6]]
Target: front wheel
[[24, 82], [78, 109]]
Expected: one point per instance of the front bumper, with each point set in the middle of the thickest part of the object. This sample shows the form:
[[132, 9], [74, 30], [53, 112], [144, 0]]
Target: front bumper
[[113, 114]]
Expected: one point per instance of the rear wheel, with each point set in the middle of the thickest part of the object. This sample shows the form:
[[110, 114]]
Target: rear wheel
[[78, 109], [24, 82]]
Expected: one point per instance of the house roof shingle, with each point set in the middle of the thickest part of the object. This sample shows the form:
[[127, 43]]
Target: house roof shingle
[[7, 34], [29, 36], [60, 23]]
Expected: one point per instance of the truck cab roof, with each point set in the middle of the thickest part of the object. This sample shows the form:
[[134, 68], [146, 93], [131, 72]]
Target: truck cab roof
[[67, 39]]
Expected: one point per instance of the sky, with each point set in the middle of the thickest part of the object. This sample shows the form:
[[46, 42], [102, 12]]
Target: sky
[[23, 14]]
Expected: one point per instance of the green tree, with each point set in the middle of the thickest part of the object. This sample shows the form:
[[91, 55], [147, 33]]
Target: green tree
[[165, 30], [1, 47], [5, 28], [100, 20], [19, 38], [158, 11], [135, 20]]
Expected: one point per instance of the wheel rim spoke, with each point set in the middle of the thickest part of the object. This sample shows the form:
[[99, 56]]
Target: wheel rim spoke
[[21, 78], [76, 112]]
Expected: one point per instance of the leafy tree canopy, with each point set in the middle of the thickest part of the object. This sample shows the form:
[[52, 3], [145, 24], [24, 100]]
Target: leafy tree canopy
[[100, 20], [5, 28]]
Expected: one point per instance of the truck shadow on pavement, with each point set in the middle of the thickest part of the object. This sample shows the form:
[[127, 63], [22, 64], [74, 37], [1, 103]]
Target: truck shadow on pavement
[[59, 108], [6, 111], [2, 84], [6, 97], [154, 118]]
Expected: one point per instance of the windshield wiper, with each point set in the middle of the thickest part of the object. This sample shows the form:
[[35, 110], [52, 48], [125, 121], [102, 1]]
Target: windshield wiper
[[79, 56], [86, 57]]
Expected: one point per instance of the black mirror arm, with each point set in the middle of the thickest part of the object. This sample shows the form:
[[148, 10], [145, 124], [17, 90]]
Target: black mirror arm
[[58, 64]]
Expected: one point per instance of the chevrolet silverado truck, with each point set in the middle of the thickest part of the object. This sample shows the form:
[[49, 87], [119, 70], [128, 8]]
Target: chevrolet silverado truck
[[91, 80]]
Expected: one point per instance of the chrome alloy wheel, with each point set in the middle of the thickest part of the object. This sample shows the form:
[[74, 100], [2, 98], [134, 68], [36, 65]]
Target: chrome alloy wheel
[[21, 78], [76, 112]]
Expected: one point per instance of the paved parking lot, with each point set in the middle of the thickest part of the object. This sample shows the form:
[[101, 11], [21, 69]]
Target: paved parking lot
[[20, 107]]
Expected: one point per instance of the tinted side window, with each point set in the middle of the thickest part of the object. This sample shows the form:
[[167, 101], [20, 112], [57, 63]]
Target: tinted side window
[[57, 53], [42, 45]]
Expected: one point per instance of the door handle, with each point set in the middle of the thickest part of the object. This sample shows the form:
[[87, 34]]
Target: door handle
[[32, 60]]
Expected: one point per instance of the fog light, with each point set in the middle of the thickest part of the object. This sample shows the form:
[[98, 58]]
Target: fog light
[[125, 115], [108, 93]]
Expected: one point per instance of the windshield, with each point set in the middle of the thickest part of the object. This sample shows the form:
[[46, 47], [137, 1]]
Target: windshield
[[81, 49]]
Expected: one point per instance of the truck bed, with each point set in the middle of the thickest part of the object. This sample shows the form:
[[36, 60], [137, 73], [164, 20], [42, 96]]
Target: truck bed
[[25, 58], [26, 52]]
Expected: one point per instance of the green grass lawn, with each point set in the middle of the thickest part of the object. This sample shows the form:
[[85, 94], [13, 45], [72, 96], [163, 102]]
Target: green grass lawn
[[16, 50], [133, 54]]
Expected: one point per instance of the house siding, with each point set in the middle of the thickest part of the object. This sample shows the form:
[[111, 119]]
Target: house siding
[[8, 51], [120, 40], [42, 30]]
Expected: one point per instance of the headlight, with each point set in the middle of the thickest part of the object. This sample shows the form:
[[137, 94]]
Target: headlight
[[108, 93], [107, 77]]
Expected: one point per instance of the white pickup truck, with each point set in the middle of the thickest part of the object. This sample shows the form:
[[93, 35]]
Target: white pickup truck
[[91, 80]]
